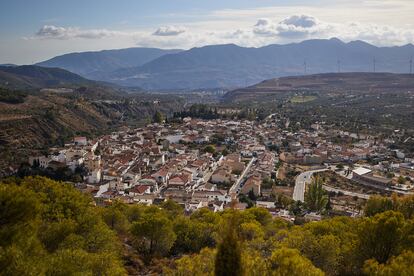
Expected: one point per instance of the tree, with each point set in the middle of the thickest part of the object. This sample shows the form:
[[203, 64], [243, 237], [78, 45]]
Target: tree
[[296, 208], [285, 262], [401, 179], [261, 215], [400, 265], [251, 230], [228, 258], [172, 208], [20, 252], [192, 235], [267, 183], [154, 233], [200, 264], [340, 166], [114, 216], [316, 198], [210, 149], [251, 195], [57, 232], [377, 204], [158, 117], [381, 236]]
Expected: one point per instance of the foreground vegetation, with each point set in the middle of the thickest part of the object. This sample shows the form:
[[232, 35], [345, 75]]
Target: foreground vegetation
[[49, 228]]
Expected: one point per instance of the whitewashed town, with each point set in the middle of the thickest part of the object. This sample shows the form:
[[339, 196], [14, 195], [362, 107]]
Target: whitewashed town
[[219, 163]]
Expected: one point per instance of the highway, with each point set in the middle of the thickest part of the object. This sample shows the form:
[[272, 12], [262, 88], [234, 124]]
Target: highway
[[300, 184]]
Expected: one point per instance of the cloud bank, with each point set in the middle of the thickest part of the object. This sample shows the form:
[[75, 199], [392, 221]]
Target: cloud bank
[[265, 31]]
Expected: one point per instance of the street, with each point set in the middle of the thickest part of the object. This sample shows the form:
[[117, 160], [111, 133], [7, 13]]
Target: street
[[300, 184], [236, 184]]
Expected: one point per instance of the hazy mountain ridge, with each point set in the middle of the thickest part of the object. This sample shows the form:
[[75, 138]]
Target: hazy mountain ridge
[[230, 65], [235, 66], [86, 63]]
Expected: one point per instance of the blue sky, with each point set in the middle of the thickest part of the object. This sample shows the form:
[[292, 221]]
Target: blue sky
[[35, 30]]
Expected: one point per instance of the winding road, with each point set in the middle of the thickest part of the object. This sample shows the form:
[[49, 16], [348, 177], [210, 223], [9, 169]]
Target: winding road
[[300, 184]]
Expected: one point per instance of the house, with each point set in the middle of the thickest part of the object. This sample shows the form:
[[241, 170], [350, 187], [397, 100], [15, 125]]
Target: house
[[55, 165], [180, 180], [222, 175], [93, 162], [162, 175], [41, 161], [140, 190], [265, 204], [80, 141], [238, 206], [94, 176], [216, 206], [312, 159], [366, 177], [253, 183], [220, 195]]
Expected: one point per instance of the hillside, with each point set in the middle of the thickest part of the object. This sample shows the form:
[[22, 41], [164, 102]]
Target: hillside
[[94, 63], [234, 66], [37, 120], [33, 77], [331, 82]]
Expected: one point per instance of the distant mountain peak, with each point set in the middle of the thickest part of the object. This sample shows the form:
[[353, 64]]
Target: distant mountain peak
[[232, 66], [335, 39], [360, 43]]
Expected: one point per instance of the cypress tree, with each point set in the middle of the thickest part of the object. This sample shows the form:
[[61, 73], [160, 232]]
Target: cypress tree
[[228, 258]]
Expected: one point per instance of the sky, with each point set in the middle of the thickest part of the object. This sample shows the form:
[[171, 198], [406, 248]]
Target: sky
[[36, 30]]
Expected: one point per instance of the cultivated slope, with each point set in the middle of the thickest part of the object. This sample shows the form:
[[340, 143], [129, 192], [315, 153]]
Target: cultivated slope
[[330, 82]]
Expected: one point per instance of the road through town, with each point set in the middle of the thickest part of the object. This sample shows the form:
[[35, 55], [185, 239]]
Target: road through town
[[300, 184], [236, 184]]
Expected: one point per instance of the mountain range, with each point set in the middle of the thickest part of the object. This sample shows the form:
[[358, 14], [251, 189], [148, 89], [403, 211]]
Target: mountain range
[[232, 66], [87, 63]]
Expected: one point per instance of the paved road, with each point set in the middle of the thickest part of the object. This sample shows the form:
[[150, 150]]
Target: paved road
[[236, 184], [300, 184], [345, 192]]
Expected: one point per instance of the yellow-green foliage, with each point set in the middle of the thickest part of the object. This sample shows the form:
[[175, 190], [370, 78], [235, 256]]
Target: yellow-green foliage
[[49, 228]]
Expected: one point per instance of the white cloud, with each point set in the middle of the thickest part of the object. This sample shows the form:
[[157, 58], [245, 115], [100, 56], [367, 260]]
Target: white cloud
[[304, 21], [169, 31], [293, 27], [55, 32], [265, 27]]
